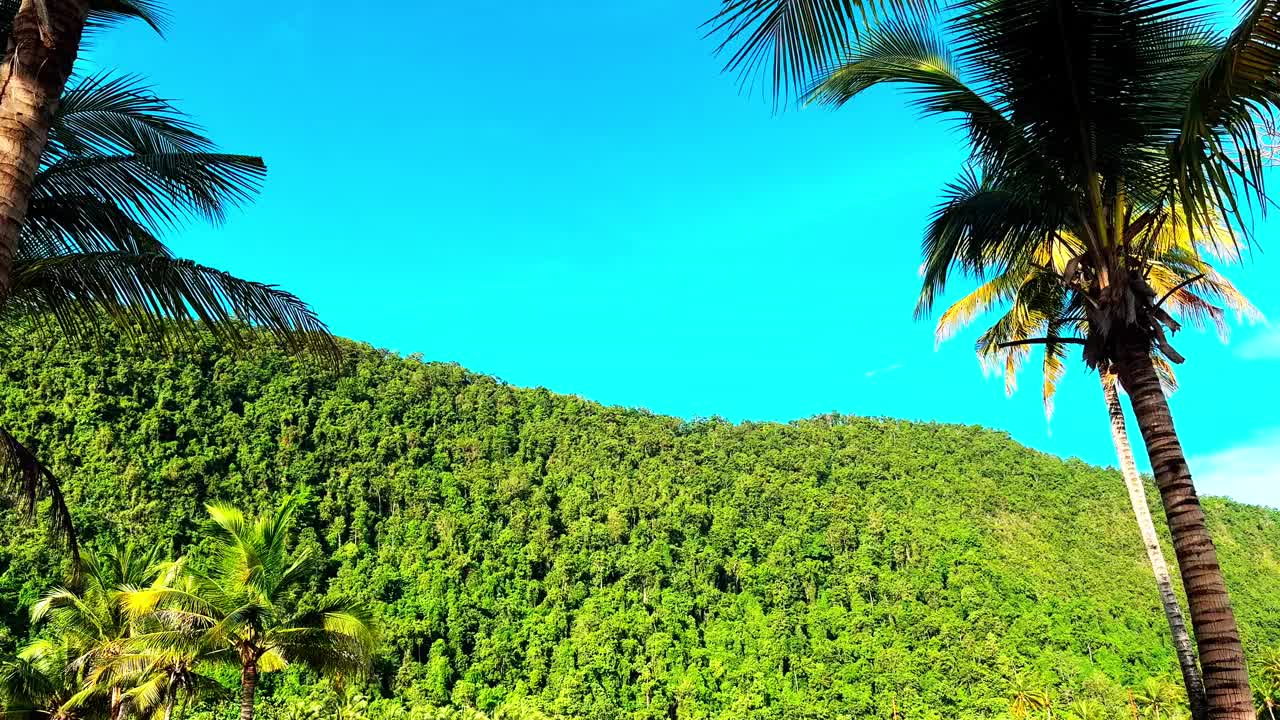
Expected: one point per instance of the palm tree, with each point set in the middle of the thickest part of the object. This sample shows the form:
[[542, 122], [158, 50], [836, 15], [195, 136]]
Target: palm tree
[[89, 623], [160, 675], [1268, 695], [1158, 699], [39, 683], [247, 606], [1191, 286], [1093, 119], [1086, 710], [1026, 697], [120, 166], [42, 40]]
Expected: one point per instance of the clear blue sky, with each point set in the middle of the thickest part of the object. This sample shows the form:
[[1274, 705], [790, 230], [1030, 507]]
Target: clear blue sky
[[572, 195]]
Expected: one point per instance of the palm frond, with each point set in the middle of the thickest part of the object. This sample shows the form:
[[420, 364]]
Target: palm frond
[[792, 40], [104, 14], [25, 478], [912, 53], [979, 228], [158, 188], [1219, 151], [160, 297]]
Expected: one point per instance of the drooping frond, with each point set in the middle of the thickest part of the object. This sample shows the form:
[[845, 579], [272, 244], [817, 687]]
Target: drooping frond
[[66, 224], [28, 480], [1219, 151], [158, 189], [790, 41], [912, 53], [103, 14], [108, 13], [161, 297], [979, 228]]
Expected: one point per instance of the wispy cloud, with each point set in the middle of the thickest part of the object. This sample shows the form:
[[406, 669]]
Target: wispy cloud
[[882, 371], [1265, 345], [1248, 472]]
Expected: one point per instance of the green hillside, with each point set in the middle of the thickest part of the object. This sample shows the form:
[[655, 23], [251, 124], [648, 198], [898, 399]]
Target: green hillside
[[611, 563]]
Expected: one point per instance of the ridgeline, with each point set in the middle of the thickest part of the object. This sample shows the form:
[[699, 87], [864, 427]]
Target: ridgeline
[[612, 563]]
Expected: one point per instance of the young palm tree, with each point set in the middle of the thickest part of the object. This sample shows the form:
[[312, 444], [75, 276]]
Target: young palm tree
[[1268, 696], [1189, 286], [89, 623], [1086, 710], [1093, 119], [39, 684], [120, 166], [159, 676], [1158, 699], [246, 607], [1026, 697]]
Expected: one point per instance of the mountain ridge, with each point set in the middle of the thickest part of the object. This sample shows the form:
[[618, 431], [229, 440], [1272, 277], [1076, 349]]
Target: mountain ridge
[[612, 562]]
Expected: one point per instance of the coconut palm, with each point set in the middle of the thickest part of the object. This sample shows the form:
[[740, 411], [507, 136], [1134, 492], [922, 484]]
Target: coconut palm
[[160, 676], [1087, 122], [1158, 699], [86, 618], [1190, 286], [1267, 694], [39, 684], [42, 40], [120, 166], [246, 607], [1026, 697], [1086, 710]]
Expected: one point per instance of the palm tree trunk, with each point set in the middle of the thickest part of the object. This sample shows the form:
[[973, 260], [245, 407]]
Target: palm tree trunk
[[117, 704], [248, 688], [1226, 678], [1155, 555], [168, 709], [42, 50]]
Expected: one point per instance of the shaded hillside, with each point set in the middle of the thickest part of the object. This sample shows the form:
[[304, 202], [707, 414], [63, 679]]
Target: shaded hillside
[[614, 563]]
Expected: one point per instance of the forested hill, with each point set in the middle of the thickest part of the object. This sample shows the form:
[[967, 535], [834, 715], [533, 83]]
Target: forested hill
[[612, 563]]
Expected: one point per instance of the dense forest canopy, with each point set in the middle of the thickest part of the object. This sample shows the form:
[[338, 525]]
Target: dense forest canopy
[[603, 562]]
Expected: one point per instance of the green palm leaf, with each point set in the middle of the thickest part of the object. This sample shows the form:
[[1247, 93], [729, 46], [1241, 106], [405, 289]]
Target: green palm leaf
[[793, 40], [159, 297]]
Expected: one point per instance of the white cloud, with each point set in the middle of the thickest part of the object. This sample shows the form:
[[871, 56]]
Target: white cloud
[[1264, 345], [1249, 472], [881, 371]]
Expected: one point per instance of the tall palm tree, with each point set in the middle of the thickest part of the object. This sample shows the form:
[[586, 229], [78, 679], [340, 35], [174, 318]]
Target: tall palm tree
[[1189, 284], [247, 606], [42, 39], [1087, 122], [120, 166]]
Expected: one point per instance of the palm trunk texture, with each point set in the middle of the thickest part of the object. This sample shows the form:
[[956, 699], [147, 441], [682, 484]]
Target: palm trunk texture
[[1146, 526], [248, 689], [1222, 661], [42, 51]]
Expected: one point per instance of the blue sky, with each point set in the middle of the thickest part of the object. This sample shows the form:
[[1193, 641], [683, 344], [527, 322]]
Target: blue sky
[[573, 196]]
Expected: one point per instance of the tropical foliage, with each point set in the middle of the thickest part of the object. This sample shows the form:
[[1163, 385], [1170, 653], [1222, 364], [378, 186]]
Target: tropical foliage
[[1097, 129], [521, 547], [120, 167], [131, 637]]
